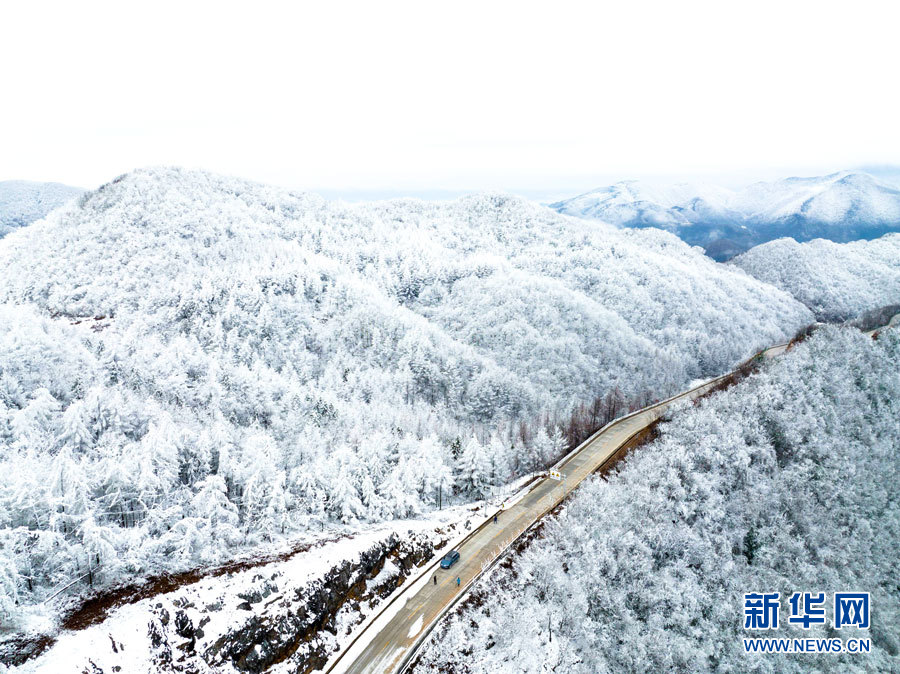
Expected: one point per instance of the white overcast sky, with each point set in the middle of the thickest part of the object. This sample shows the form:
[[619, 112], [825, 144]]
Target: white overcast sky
[[389, 97]]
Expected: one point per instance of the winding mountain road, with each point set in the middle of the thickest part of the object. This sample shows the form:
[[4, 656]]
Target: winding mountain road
[[389, 642], [387, 645]]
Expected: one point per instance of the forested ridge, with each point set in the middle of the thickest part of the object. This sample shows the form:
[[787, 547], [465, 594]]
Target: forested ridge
[[837, 281]]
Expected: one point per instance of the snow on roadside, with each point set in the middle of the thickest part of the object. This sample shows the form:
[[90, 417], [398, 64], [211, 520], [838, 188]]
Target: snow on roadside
[[390, 570], [123, 639], [366, 630], [416, 627], [369, 627], [127, 625]]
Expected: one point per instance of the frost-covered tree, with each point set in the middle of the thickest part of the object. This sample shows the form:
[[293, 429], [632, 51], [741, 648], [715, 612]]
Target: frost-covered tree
[[475, 468], [211, 504], [69, 493], [75, 432], [343, 499], [9, 591], [541, 450], [558, 444]]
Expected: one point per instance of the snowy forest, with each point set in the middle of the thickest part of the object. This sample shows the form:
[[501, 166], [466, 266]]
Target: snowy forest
[[192, 366], [837, 281], [23, 202], [787, 482]]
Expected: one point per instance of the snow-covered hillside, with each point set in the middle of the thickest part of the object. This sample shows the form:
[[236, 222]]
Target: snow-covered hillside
[[785, 483], [841, 207], [835, 280], [193, 365], [633, 203], [836, 199], [23, 202]]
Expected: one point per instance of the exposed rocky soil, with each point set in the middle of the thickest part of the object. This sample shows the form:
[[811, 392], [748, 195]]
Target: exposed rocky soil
[[301, 625]]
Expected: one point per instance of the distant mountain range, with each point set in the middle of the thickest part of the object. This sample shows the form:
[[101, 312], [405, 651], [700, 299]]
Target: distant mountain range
[[22, 202], [841, 207]]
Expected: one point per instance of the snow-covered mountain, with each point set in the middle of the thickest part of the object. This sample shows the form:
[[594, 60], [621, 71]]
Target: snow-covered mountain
[[23, 202], [193, 365], [840, 207], [786, 482], [632, 203], [837, 281]]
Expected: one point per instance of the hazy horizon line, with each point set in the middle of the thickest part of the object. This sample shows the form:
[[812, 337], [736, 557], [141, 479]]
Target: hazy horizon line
[[555, 190]]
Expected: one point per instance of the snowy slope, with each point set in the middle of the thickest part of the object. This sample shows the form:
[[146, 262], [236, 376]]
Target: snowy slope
[[835, 280], [832, 199], [785, 483], [23, 202], [841, 207], [192, 365], [633, 203], [217, 623]]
